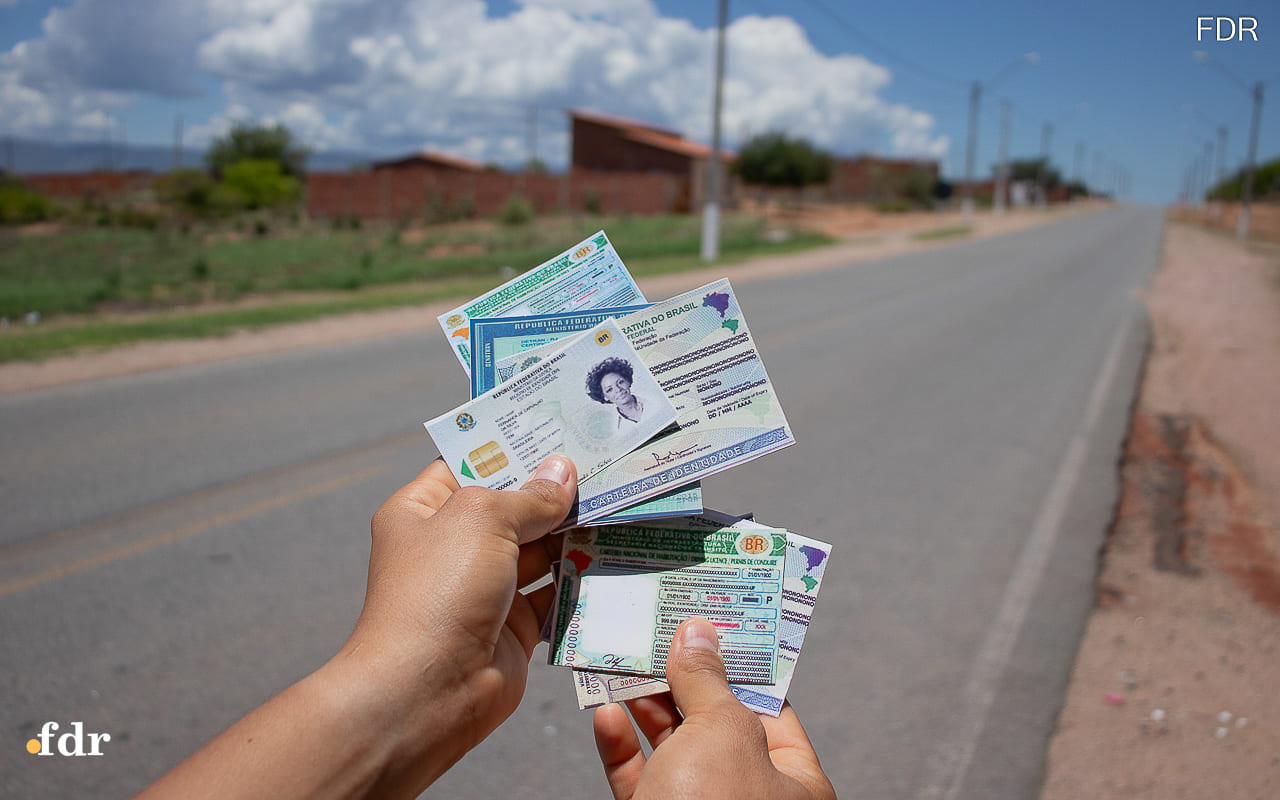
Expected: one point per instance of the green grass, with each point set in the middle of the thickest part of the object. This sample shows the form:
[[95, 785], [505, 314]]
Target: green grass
[[943, 233], [326, 272]]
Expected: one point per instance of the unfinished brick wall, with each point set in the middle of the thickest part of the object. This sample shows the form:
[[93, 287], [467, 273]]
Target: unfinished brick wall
[[416, 192], [873, 178], [1264, 218], [88, 184]]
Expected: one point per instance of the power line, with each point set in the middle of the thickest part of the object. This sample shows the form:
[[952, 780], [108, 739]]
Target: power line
[[893, 54]]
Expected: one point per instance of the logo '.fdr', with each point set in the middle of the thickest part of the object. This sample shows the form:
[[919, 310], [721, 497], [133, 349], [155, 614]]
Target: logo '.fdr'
[[70, 743]]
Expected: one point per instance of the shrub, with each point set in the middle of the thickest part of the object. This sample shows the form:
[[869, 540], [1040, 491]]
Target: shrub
[[516, 211], [257, 143], [130, 217], [775, 159], [894, 205], [191, 190], [200, 268], [261, 184], [20, 205]]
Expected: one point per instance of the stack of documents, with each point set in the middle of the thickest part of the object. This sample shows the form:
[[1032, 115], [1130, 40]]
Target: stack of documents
[[647, 399]]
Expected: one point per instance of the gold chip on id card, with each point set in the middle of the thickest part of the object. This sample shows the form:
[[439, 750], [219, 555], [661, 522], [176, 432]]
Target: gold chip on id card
[[488, 458]]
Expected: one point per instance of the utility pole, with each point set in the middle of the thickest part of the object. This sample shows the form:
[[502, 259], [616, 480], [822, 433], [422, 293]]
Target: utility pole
[[177, 142], [1002, 168], [532, 138], [1222, 154], [1208, 179], [975, 97], [1196, 181], [1046, 136], [711, 209], [1246, 192]]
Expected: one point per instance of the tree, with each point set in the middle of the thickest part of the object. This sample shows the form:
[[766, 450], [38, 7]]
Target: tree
[[260, 183], [246, 142], [1028, 169], [1266, 179], [775, 159]]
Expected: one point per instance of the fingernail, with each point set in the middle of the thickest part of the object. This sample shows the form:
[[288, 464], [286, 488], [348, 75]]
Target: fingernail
[[555, 468], [698, 634]]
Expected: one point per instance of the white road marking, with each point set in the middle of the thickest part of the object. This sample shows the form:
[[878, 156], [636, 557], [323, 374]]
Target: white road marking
[[946, 768]]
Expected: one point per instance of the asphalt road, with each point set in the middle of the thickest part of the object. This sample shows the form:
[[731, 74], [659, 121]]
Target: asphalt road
[[179, 546]]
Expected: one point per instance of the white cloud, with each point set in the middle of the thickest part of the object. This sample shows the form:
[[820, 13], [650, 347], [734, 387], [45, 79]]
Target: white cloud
[[394, 75], [120, 45]]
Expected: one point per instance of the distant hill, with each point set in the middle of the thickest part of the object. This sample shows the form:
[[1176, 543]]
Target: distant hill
[[27, 156]]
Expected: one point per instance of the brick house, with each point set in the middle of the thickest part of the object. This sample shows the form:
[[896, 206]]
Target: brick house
[[873, 178], [430, 161], [605, 143]]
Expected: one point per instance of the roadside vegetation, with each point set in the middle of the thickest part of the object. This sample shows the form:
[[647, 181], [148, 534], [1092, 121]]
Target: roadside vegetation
[[88, 285], [1266, 181], [950, 232], [207, 252]]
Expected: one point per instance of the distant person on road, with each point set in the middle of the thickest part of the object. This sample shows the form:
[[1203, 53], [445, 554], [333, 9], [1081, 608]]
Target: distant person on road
[[439, 658], [610, 382]]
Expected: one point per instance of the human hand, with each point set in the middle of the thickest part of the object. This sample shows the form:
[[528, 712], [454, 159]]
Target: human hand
[[445, 630], [437, 659], [718, 749]]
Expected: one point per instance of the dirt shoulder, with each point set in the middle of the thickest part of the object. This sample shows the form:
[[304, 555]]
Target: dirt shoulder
[[863, 237], [1176, 688]]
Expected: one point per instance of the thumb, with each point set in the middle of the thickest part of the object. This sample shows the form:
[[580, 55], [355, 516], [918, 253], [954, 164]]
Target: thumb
[[695, 669], [544, 501]]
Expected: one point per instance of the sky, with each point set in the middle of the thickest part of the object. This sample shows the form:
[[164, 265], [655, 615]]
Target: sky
[[1115, 81]]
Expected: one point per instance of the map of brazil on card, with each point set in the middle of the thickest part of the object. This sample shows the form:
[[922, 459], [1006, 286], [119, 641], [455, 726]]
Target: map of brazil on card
[[593, 401]]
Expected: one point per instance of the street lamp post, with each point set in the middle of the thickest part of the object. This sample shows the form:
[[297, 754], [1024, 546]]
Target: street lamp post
[[1046, 149], [1246, 191], [975, 99], [1002, 167], [711, 208], [1042, 174], [1208, 181], [1221, 130]]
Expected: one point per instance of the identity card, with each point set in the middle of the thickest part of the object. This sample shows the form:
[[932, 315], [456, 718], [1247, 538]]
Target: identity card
[[587, 275], [806, 561], [593, 401], [506, 346], [510, 340], [700, 349], [624, 590]]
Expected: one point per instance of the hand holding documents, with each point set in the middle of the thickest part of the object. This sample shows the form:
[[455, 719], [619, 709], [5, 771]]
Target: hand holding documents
[[647, 399]]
